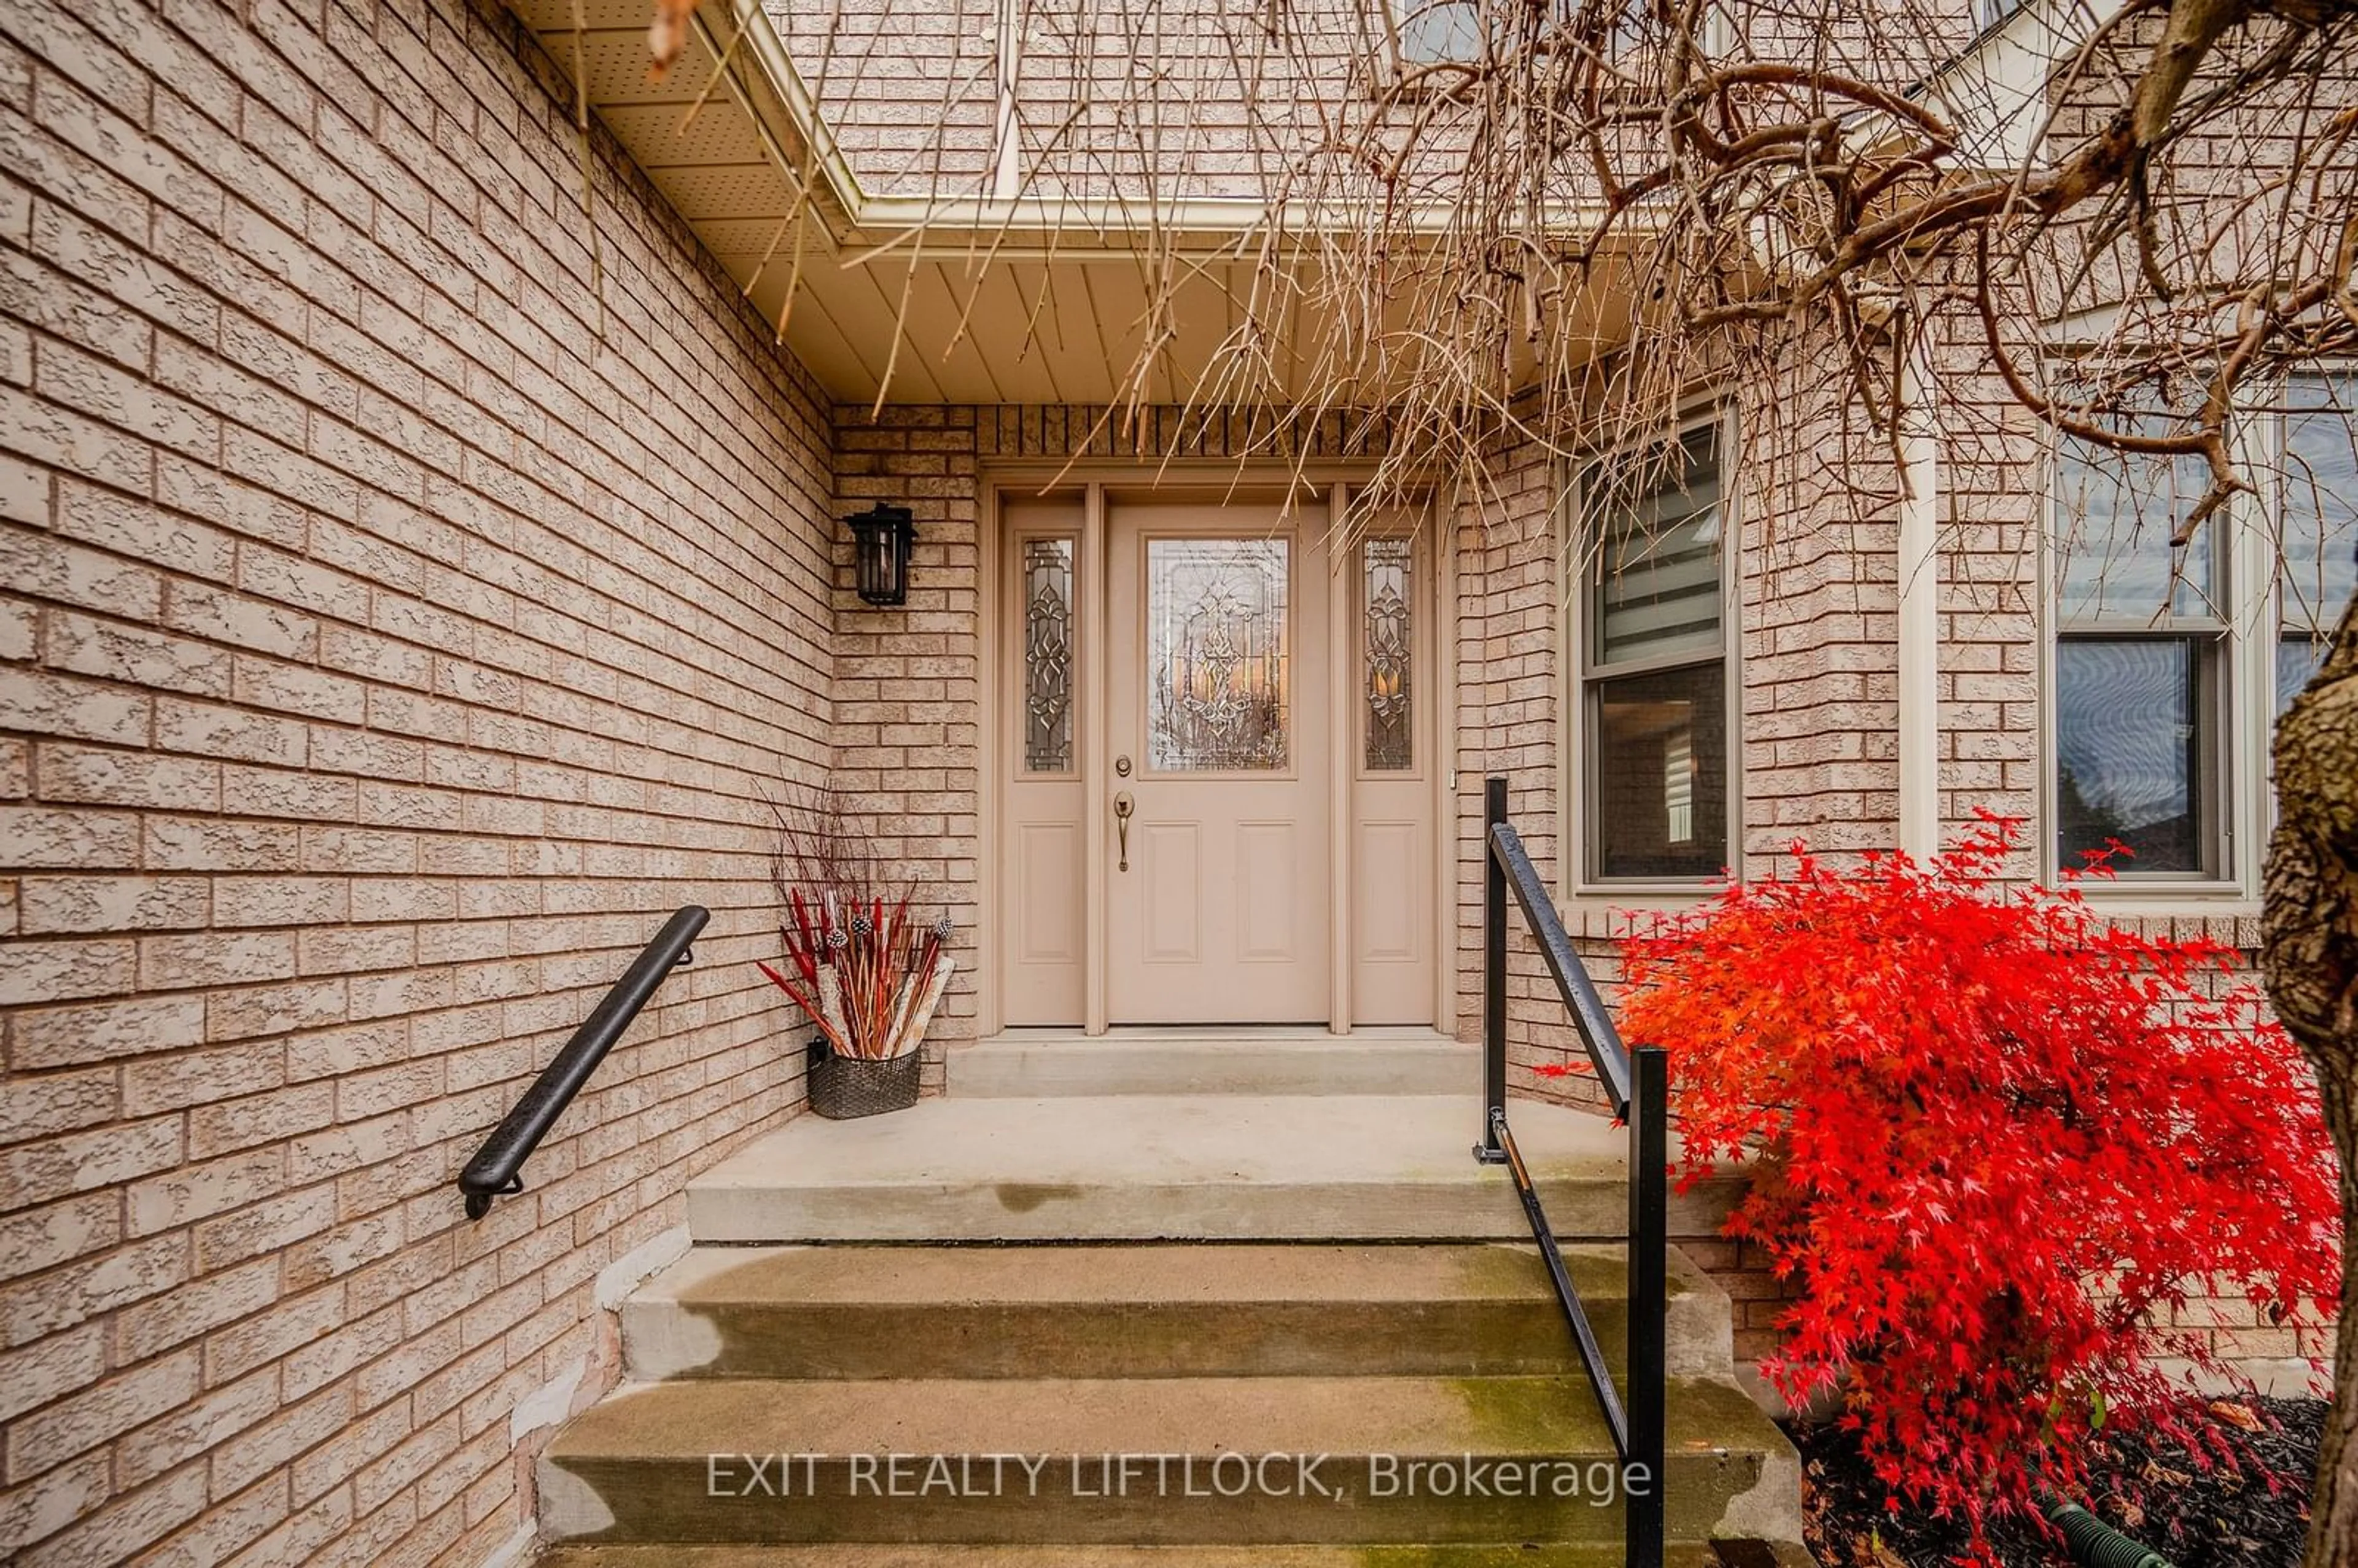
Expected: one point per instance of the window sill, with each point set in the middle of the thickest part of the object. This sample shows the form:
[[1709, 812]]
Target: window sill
[[1678, 893], [2210, 900], [1609, 911]]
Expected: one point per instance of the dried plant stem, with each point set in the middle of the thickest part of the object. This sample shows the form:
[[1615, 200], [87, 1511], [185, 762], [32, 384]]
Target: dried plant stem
[[916, 1029], [856, 961], [831, 1006]]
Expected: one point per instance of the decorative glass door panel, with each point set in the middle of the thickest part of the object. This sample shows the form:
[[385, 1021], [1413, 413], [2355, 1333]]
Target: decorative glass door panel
[[1047, 588], [1388, 653], [1217, 655]]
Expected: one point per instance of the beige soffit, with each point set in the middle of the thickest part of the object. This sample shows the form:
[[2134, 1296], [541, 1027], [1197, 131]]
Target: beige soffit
[[900, 283]]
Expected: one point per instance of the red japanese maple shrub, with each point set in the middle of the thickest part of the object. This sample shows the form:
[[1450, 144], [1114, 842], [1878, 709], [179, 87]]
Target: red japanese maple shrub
[[2002, 1139]]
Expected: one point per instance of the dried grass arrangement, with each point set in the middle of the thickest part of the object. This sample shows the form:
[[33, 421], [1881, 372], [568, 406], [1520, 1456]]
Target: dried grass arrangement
[[868, 972]]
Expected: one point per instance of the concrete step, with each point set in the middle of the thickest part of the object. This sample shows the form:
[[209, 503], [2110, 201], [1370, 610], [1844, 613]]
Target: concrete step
[[1146, 1311], [1520, 1554], [1176, 1167], [1149, 1461], [1031, 1064]]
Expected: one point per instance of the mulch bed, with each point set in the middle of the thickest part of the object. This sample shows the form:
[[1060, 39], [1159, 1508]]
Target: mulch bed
[[2153, 1491]]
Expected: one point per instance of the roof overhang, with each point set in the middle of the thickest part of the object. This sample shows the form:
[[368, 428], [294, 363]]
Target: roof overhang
[[1035, 298]]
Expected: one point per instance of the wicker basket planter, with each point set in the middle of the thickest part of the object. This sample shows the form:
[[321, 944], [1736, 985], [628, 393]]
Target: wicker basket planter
[[842, 1088]]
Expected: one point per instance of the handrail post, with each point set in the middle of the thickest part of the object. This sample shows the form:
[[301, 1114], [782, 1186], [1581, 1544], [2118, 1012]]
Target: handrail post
[[1650, 1243], [1494, 974]]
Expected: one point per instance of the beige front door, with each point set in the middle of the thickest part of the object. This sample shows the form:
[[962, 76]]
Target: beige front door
[[1267, 714], [1217, 899]]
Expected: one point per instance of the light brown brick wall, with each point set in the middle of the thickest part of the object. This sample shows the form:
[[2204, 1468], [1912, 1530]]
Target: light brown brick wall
[[909, 92], [381, 658], [1178, 98]]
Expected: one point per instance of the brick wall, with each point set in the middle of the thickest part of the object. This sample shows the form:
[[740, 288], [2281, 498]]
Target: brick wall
[[1176, 98], [910, 92], [382, 657]]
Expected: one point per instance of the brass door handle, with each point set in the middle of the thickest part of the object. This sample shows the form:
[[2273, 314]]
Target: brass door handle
[[1122, 807]]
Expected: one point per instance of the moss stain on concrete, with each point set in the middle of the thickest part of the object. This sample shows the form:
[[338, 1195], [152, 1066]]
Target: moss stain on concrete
[[1524, 1415], [1516, 1554]]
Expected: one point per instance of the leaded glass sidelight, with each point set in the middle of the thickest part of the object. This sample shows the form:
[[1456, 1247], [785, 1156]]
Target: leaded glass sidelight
[[1047, 655], [1386, 651], [1218, 667]]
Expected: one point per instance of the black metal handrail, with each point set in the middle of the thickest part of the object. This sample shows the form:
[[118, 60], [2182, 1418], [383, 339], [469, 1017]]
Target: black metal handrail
[[1637, 1083], [494, 1169]]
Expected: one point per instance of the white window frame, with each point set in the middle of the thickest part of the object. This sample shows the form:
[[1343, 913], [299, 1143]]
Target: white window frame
[[2249, 527], [1576, 773]]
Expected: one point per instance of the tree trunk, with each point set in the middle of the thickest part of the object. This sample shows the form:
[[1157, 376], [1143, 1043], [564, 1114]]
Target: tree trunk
[[2311, 959]]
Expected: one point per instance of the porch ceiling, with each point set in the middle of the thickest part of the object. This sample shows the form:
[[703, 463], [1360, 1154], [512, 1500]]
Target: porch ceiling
[[1057, 316]]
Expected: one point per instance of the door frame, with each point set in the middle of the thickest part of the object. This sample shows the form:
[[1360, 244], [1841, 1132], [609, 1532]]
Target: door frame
[[1322, 482]]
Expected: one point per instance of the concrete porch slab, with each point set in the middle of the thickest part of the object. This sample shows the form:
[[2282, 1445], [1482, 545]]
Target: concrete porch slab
[[1026, 1063], [1175, 1167]]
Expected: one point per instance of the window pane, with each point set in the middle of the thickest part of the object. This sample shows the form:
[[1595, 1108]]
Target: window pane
[[2113, 516], [1433, 30], [1655, 587], [2319, 551], [2131, 716], [2297, 656], [1387, 653], [1660, 745], [1216, 670], [1047, 655]]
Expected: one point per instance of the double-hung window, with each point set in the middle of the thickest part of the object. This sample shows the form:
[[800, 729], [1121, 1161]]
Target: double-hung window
[[2141, 663], [1652, 687], [2160, 701]]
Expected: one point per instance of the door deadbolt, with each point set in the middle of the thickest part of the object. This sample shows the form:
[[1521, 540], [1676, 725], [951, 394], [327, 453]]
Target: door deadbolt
[[1121, 766]]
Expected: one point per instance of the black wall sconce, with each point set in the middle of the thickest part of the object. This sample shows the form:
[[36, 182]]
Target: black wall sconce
[[881, 537]]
